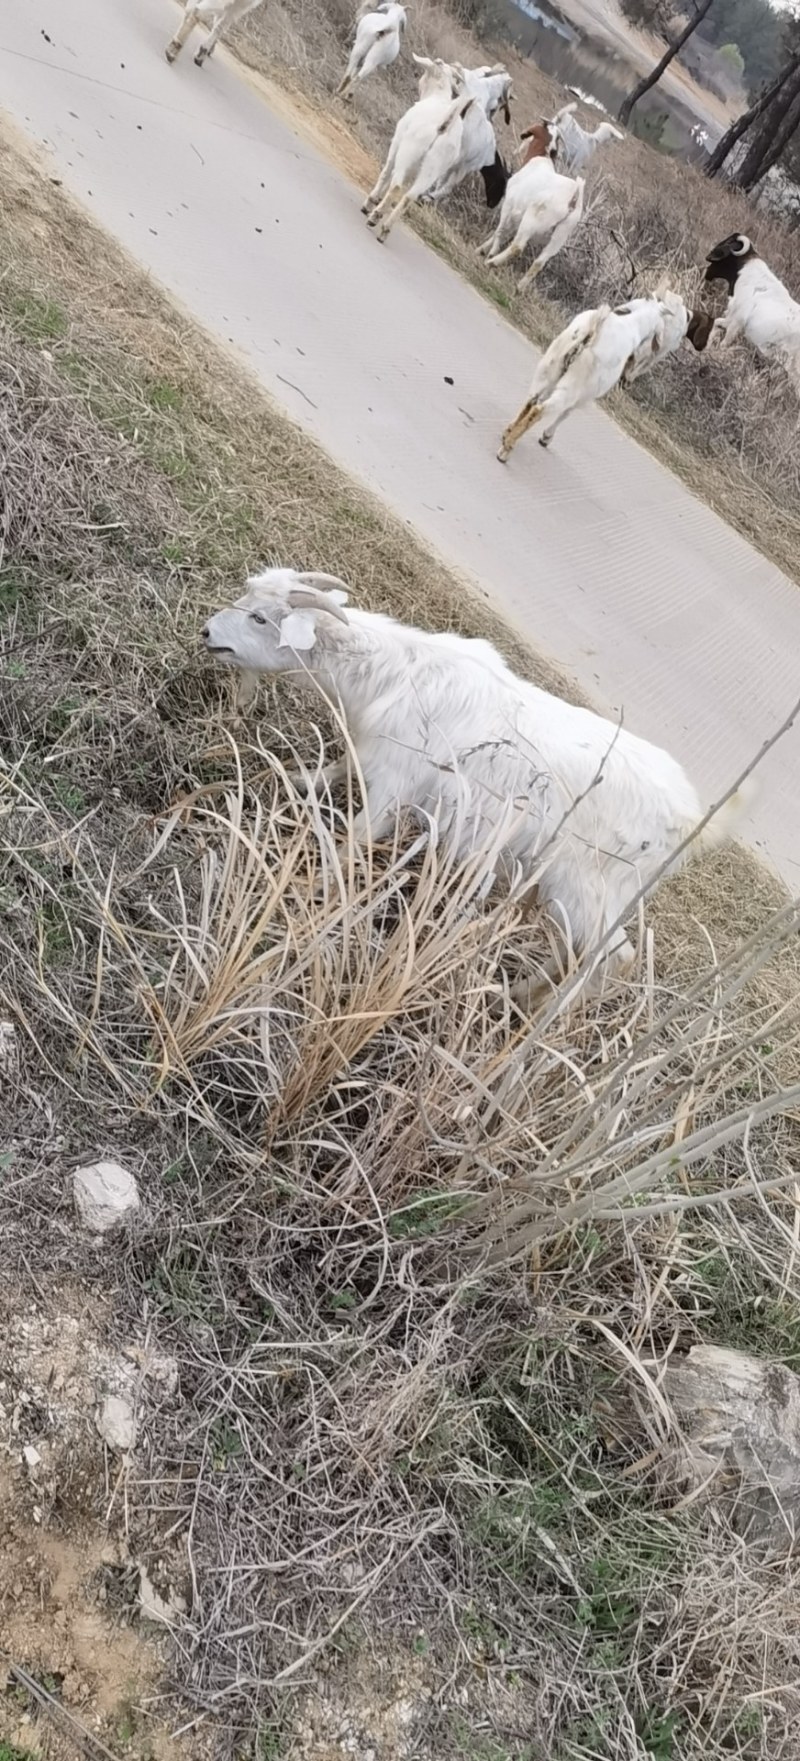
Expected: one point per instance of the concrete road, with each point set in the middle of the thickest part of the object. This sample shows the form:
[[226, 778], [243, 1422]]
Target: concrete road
[[606, 562]]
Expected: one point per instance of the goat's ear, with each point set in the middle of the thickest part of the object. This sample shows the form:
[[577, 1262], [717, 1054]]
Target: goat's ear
[[422, 60], [298, 631]]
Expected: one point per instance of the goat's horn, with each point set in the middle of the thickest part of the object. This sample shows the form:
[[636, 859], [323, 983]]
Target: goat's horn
[[316, 595]]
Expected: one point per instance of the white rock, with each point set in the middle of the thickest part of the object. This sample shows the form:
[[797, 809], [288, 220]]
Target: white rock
[[153, 1605], [9, 1055], [739, 1422], [116, 1422], [105, 1194], [31, 1456]]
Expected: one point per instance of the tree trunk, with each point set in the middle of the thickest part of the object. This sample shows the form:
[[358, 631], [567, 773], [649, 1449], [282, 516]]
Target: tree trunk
[[738, 128], [652, 79], [774, 134]]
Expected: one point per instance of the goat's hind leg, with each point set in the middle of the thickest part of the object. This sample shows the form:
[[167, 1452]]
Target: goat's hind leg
[[530, 413], [207, 48], [377, 194], [556, 241], [184, 30]]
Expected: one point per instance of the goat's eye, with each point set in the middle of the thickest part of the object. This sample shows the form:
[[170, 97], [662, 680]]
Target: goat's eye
[[258, 617]]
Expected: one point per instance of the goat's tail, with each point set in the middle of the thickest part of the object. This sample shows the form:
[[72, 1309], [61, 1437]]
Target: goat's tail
[[723, 826], [458, 108], [577, 199], [565, 349]]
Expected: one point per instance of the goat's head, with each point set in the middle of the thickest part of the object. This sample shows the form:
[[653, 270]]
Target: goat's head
[[542, 141], [502, 91], [495, 181], [275, 620], [699, 328], [728, 258]]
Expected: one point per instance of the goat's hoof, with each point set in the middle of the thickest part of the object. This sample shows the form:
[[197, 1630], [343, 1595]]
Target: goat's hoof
[[366, 208], [170, 55], [199, 58], [504, 455], [544, 440]]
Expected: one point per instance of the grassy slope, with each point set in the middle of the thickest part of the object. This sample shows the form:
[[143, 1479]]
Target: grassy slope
[[478, 1463]]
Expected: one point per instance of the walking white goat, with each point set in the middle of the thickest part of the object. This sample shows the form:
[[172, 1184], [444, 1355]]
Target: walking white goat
[[579, 144], [223, 12], [538, 201], [596, 351], [379, 33], [491, 89], [427, 143], [440, 725]]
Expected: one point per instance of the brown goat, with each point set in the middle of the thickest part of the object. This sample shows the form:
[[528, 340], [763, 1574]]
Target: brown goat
[[540, 142]]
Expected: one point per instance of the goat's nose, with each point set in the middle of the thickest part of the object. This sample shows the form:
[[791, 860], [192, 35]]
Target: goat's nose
[[205, 632]]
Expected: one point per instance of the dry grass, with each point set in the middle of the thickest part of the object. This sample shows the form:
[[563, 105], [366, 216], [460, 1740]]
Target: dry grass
[[427, 1506], [728, 427]]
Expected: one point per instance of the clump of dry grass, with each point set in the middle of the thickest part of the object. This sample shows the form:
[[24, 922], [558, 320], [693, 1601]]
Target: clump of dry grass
[[365, 1137], [388, 1454]]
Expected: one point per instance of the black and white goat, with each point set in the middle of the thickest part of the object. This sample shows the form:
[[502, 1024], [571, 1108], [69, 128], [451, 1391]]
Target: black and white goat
[[759, 307]]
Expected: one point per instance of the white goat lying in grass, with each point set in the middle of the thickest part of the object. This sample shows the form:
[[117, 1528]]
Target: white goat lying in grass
[[440, 725], [378, 37], [538, 202], [759, 307], [224, 13], [578, 144], [426, 145], [597, 350]]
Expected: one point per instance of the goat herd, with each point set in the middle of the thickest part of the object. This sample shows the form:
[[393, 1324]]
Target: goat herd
[[449, 133], [438, 723]]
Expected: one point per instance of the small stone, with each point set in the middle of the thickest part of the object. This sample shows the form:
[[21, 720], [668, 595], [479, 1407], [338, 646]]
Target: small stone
[[116, 1422], [154, 1606], [31, 1456], [9, 1055], [105, 1194]]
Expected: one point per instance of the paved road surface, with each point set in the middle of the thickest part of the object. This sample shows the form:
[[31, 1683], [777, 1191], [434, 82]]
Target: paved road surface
[[603, 558]]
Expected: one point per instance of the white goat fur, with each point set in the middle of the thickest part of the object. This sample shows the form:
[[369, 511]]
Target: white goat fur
[[578, 144], [490, 87], [426, 145], [589, 357], [762, 310], [378, 37], [539, 200], [441, 725], [223, 12]]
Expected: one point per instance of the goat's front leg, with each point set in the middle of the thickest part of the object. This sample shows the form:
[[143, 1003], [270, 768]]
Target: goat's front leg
[[377, 194], [184, 30], [725, 332]]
